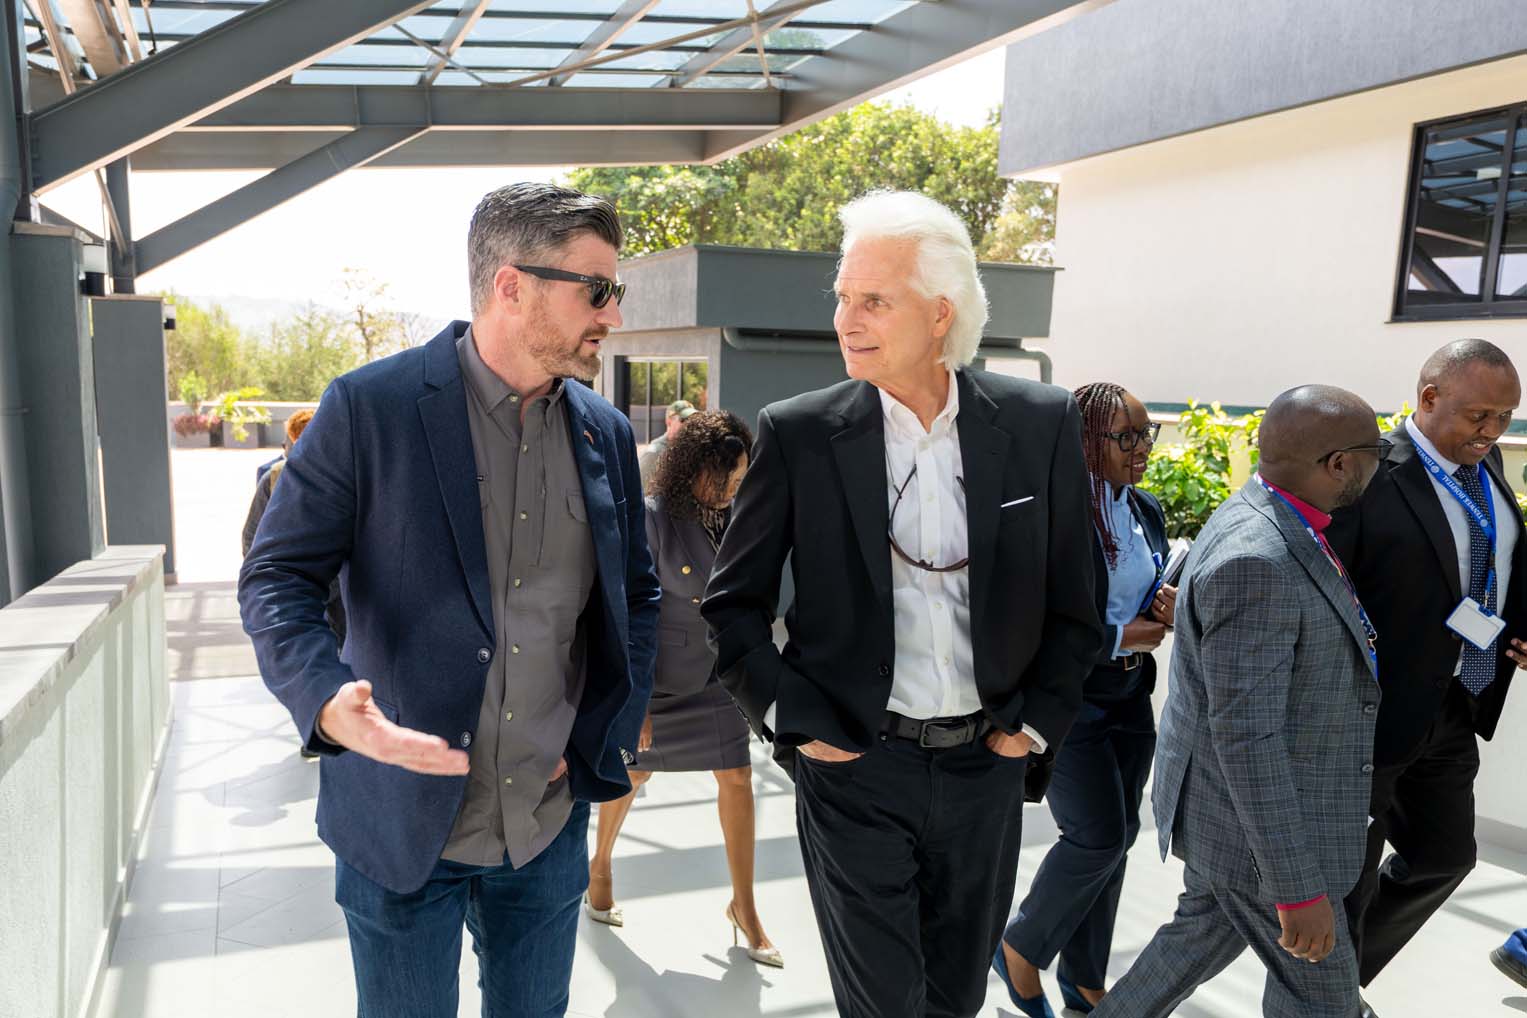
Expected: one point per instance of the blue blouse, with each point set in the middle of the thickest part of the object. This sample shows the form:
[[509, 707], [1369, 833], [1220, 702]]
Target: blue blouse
[[1132, 577]]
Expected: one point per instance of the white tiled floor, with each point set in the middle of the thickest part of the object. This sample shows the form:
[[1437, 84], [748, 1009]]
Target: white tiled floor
[[231, 911]]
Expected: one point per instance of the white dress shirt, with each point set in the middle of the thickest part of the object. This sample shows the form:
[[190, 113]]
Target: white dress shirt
[[1458, 522], [935, 671]]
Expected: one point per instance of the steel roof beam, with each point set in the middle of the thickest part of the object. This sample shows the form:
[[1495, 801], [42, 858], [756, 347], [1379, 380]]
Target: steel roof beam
[[340, 107], [731, 44], [148, 100], [455, 34], [280, 185], [263, 150], [628, 14], [919, 40]]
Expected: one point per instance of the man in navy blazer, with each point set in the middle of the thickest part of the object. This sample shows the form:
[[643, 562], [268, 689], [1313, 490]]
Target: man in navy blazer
[[483, 511]]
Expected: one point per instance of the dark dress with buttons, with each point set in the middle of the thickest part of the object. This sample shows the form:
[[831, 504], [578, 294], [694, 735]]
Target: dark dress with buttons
[[696, 725]]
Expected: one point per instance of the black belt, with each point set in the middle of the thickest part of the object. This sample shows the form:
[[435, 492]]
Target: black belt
[[936, 733], [1128, 663]]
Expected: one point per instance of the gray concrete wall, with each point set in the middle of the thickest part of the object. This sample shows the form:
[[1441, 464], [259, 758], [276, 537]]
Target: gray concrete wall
[[1141, 70], [15, 498], [84, 708], [128, 344], [711, 286], [57, 373]]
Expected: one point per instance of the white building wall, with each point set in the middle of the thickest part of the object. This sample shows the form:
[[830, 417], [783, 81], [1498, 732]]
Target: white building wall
[[1237, 262]]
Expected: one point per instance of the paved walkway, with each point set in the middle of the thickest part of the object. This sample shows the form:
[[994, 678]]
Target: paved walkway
[[231, 909]]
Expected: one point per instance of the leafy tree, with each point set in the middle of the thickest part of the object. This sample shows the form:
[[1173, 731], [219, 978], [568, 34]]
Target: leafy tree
[[1025, 230], [303, 354], [786, 194], [378, 331], [204, 343]]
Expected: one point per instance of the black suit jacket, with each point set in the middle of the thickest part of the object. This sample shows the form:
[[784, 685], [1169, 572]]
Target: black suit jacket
[[816, 492], [1109, 685], [1398, 547]]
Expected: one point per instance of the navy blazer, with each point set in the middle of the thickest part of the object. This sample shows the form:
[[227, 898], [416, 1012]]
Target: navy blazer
[[382, 491], [1109, 685]]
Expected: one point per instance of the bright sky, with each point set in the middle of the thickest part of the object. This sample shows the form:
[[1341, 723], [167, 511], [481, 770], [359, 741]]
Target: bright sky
[[407, 227]]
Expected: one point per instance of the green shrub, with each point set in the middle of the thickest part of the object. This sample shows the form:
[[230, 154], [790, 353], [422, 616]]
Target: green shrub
[[1191, 478]]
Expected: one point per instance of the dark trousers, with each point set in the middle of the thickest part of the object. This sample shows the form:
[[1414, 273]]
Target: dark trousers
[[910, 856], [406, 948], [1094, 795], [1424, 808]]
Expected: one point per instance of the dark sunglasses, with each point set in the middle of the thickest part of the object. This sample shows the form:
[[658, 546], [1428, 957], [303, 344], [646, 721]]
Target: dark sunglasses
[[600, 288], [1130, 440], [1381, 450]]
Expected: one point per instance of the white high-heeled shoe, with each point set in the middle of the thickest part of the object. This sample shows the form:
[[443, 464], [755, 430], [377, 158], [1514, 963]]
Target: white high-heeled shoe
[[769, 956], [611, 916]]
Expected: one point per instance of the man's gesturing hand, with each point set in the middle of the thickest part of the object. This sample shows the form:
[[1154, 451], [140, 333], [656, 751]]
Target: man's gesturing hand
[[1308, 932], [351, 719]]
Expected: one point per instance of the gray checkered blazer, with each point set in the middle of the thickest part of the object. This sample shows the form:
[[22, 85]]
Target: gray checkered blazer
[[1264, 761]]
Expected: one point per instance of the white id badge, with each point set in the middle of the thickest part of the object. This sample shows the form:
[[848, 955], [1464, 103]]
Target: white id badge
[[1474, 624]]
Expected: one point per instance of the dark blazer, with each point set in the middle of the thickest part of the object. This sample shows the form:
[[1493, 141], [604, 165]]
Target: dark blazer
[[1398, 547], [683, 555], [382, 490], [816, 492], [1107, 685]]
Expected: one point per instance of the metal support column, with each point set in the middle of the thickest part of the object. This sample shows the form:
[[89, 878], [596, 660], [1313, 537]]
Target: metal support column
[[124, 270]]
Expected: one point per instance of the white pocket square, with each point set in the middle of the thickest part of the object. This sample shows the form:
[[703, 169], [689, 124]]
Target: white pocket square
[[1016, 501]]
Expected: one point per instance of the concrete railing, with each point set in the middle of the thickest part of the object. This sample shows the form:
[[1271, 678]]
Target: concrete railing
[[84, 711]]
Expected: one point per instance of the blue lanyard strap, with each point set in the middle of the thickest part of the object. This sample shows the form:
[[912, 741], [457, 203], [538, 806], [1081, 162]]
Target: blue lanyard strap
[[1362, 613], [1486, 523]]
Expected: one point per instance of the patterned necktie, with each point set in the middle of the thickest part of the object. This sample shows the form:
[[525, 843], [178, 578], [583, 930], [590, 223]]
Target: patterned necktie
[[1478, 665]]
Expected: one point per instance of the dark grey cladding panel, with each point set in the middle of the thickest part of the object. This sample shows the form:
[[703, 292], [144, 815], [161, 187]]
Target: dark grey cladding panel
[[791, 292], [1141, 70]]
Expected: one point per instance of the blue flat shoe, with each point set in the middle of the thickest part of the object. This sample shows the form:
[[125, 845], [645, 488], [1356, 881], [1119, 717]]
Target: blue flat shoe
[[1034, 1007], [1511, 957], [1071, 997]]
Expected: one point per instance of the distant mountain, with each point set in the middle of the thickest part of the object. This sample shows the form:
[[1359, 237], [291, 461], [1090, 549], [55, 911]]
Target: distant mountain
[[255, 315]]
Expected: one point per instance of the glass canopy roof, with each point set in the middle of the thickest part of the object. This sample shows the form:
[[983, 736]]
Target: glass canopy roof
[[539, 43]]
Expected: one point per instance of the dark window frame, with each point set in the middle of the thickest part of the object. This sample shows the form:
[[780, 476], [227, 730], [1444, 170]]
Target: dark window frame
[[1487, 306], [655, 414]]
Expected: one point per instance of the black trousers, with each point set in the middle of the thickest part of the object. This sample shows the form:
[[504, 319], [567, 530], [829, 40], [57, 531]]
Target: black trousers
[[1094, 796], [1424, 808], [911, 855]]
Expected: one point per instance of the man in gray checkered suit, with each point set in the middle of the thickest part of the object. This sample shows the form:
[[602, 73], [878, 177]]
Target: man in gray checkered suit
[[1264, 760]]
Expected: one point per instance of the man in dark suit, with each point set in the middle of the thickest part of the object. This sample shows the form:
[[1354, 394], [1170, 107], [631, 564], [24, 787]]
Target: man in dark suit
[[943, 621], [484, 514], [1439, 525]]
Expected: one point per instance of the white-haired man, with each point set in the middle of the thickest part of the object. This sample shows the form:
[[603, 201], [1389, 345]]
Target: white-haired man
[[943, 620]]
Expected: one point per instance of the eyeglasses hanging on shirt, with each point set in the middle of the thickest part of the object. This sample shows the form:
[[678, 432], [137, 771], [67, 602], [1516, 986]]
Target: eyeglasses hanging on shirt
[[890, 533]]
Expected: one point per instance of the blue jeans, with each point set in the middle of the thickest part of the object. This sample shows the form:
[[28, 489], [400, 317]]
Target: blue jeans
[[406, 948]]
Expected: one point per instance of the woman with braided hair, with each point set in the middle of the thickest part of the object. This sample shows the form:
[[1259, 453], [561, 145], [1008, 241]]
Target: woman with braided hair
[[1101, 768]]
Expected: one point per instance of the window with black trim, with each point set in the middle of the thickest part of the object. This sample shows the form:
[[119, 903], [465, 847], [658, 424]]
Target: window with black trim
[[1465, 252], [646, 387]]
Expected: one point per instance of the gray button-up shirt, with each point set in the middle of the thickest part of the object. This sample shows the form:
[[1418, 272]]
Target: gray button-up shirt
[[541, 573]]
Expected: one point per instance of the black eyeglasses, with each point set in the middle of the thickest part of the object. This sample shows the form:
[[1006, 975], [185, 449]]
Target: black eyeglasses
[[1382, 450], [600, 288], [890, 532], [1130, 440]]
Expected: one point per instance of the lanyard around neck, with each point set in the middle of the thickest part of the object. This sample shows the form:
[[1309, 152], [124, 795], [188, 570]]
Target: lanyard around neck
[[1486, 523]]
